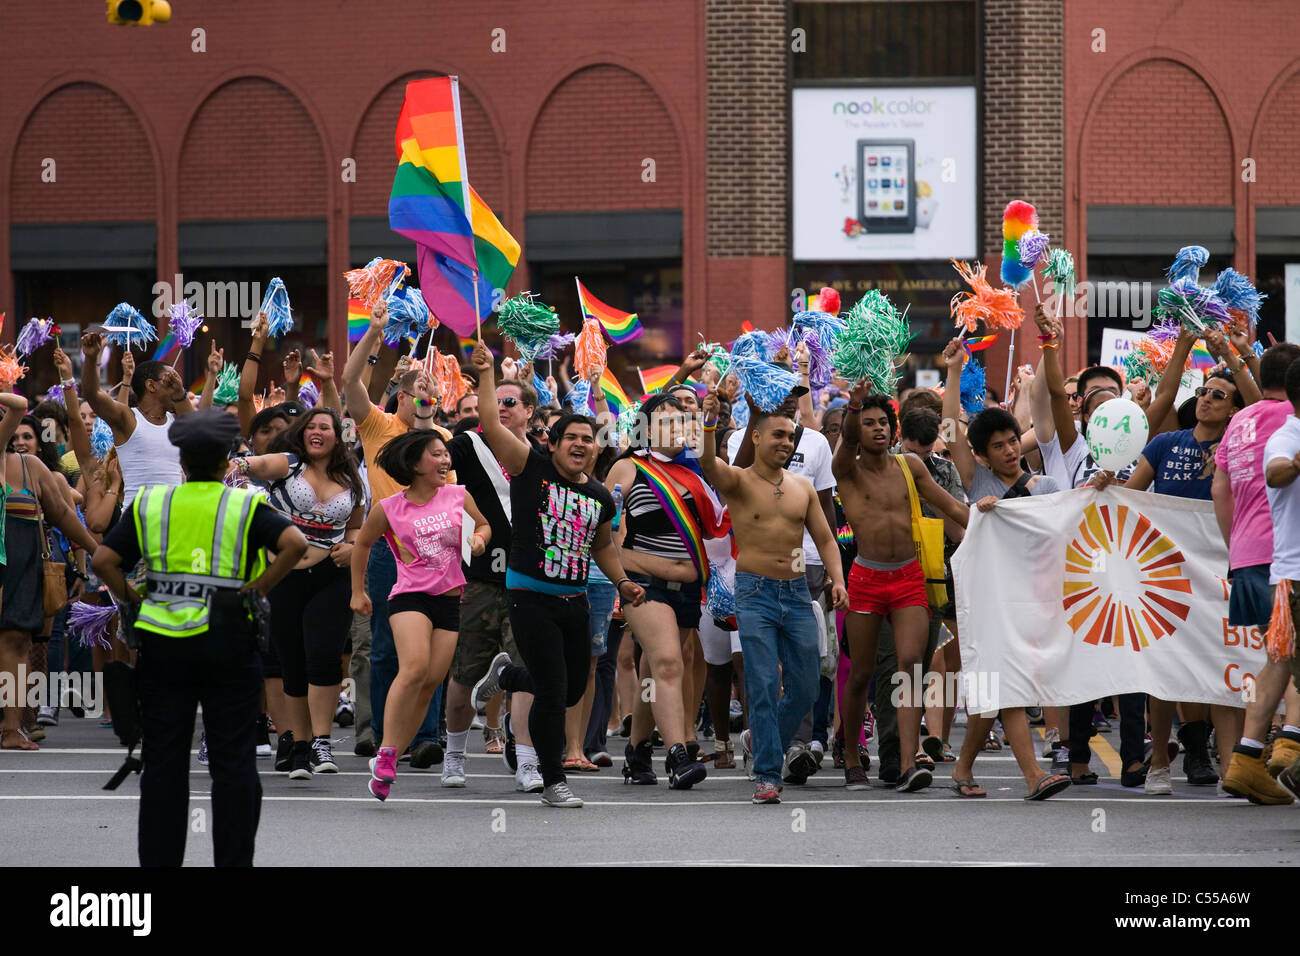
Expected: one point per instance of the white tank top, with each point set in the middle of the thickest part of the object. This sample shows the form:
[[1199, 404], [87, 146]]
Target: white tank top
[[148, 458]]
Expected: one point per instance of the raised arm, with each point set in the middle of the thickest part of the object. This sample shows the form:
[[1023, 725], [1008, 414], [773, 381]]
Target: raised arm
[[15, 407], [77, 437], [1241, 342], [802, 362], [354, 390], [216, 362], [512, 452], [1062, 417], [954, 357], [723, 477], [844, 461], [116, 414], [249, 374], [1170, 380], [322, 371], [1241, 376], [292, 366]]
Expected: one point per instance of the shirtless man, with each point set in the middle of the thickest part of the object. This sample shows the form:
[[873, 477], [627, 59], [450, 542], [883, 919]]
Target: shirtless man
[[886, 577], [769, 510]]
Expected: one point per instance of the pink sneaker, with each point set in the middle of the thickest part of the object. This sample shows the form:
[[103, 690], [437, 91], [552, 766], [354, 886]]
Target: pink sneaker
[[379, 789], [384, 765]]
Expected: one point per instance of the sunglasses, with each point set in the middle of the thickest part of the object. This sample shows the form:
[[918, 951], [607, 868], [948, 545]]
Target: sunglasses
[[1072, 396], [508, 402], [537, 430], [1218, 393]]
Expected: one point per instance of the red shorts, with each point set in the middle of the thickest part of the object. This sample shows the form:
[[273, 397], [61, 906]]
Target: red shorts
[[879, 592]]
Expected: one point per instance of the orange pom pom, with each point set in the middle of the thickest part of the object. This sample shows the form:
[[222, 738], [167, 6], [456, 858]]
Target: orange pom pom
[[446, 372], [1280, 642], [371, 281], [589, 349], [996, 308], [11, 370]]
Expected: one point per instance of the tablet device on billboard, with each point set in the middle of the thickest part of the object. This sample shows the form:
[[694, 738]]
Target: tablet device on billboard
[[886, 185]]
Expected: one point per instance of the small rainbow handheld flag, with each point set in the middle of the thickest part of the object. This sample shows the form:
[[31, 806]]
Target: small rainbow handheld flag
[[167, 349], [1201, 358], [979, 343], [614, 394], [653, 379], [619, 326], [358, 319]]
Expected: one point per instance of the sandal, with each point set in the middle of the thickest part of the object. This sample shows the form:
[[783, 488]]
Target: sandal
[[948, 755], [24, 742], [922, 760], [494, 740], [992, 743], [1051, 785], [933, 747], [968, 788], [581, 764]]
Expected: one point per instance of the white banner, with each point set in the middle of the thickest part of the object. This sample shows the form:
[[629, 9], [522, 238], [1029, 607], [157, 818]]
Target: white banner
[[1065, 598]]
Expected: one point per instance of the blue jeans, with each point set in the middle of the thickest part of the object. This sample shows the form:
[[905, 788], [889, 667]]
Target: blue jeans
[[777, 627], [381, 576], [600, 598]]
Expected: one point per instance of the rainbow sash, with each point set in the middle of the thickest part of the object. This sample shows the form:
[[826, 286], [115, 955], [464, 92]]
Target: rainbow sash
[[693, 525]]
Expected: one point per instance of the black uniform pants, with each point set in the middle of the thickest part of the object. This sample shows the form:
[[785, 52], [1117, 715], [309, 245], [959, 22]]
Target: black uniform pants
[[223, 672]]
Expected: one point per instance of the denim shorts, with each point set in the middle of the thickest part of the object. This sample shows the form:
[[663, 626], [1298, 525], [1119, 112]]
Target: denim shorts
[[600, 598], [1250, 603], [684, 599]]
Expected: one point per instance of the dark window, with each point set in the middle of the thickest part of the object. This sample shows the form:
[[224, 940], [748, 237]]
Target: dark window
[[887, 40]]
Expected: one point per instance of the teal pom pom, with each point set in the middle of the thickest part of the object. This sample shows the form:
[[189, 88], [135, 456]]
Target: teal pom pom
[[1188, 263], [101, 439], [1060, 269], [227, 390], [528, 323], [544, 396], [130, 327]]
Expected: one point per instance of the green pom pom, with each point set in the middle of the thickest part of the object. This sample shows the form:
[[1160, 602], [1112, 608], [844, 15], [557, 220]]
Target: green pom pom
[[528, 323], [876, 334], [227, 390], [1138, 365], [1060, 269]]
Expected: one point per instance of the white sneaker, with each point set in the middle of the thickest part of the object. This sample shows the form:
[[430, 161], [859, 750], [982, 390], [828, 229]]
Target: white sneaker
[[1158, 781], [1051, 742], [818, 752], [453, 770], [528, 779]]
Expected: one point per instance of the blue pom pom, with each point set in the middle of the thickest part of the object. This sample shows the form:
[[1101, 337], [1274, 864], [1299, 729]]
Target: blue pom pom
[[544, 396], [972, 387], [279, 315], [720, 600], [1238, 292], [579, 397], [1014, 272], [827, 327], [128, 327], [753, 344], [101, 439], [1188, 263], [1258, 347], [768, 385], [739, 412], [408, 316]]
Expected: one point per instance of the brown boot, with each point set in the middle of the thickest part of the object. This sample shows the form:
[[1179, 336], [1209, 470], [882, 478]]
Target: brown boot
[[724, 756], [1248, 777]]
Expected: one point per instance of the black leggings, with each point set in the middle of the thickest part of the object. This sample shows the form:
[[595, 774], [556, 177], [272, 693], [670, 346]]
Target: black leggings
[[310, 616], [553, 638]]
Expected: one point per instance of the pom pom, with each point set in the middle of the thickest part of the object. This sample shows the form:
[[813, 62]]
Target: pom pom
[[780, 338], [126, 327], [739, 412], [1031, 247], [451, 383], [184, 323], [35, 334], [1188, 263], [555, 345], [996, 308], [1163, 332], [1018, 218], [54, 395], [767, 384], [1014, 273], [11, 370], [753, 344], [101, 439], [308, 393], [408, 316], [227, 390], [720, 359], [828, 300], [375, 280], [826, 326], [972, 387], [1196, 308], [1060, 269], [275, 303], [544, 396], [821, 366], [720, 599], [528, 323], [579, 397], [1137, 364], [89, 622], [589, 350], [1237, 292], [627, 419], [1258, 348], [876, 334]]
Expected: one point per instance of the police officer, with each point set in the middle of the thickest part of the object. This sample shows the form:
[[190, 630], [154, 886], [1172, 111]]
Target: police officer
[[203, 545]]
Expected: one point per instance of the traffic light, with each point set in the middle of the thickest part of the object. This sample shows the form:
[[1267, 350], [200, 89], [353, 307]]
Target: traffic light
[[139, 12]]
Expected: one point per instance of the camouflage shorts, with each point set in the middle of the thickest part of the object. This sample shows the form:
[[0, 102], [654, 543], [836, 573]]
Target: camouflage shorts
[[484, 631]]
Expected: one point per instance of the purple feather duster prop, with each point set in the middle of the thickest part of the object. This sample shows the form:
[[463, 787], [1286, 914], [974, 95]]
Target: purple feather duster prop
[[184, 323], [128, 327], [556, 344], [35, 334], [90, 623], [1196, 308], [1188, 263], [1032, 247], [309, 394], [1237, 292]]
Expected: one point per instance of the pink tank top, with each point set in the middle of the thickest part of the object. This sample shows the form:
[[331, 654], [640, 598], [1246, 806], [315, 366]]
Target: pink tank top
[[431, 534]]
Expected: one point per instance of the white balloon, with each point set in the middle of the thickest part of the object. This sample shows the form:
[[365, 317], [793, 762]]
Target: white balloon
[[1117, 433]]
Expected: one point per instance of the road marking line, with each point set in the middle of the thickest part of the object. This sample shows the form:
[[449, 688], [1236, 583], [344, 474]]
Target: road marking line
[[520, 798]]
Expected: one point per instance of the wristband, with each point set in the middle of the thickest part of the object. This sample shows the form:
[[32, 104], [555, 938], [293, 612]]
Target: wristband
[[68, 383], [619, 586], [854, 409], [706, 427], [372, 359], [425, 418], [240, 465], [1049, 345], [1047, 338], [253, 357]]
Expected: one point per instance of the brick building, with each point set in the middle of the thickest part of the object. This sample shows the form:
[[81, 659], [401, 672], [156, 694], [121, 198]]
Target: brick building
[[646, 147]]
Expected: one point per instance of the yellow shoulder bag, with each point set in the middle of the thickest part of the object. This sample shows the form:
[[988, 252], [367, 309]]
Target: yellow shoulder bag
[[927, 536]]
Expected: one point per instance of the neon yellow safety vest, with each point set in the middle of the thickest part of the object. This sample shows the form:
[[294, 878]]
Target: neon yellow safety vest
[[193, 538]]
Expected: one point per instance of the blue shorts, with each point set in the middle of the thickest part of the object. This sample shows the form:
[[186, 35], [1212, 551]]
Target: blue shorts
[[1250, 603], [600, 598], [684, 598]]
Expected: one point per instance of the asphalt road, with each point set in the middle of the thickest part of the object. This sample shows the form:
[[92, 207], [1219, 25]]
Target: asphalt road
[[54, 813]]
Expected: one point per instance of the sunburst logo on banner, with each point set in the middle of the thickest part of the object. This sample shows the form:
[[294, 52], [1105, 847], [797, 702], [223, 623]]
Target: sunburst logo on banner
[[1111, 535]]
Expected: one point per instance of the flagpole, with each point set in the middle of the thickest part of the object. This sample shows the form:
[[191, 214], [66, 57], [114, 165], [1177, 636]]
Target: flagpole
[[478, 320]]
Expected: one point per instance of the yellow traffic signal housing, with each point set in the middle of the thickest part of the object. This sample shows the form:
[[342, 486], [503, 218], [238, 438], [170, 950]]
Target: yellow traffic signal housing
[[139, 12]]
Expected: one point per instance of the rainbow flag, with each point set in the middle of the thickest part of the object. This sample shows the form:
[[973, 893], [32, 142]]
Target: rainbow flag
[[167, 349], [619, 326], [653, 379], [614, 394], [467, 346], [978, 343], [358, 319], [1201, 358]]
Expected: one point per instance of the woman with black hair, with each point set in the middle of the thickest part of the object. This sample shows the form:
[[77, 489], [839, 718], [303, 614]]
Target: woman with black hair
[[315, 484], [424, 528]]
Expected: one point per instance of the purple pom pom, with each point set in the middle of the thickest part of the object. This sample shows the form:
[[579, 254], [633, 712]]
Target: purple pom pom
[[1032, 247], [309, 394], [34, 334], [184, 323], [90, 623], [556, 344], [1165, 331]]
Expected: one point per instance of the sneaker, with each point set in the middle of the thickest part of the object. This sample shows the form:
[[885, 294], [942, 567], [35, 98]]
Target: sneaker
[[766, 793], [1248, 778], [453, 770], [890, 772], [322, 758], [559, 795], [489, 683], [624, 729], [508, 751], [1285, 752], [1099, 722], [203, 750], [601, 758], [1158, 781], [426, 754], [818, 750], [638, 764], [1289, 779], [344, 714], [1035, 716], [284, 752], [1194, 736], [365, 745], [916, 778], [48, 716], [378, 788], [494, 740], [855, 778], [799, 764], [383, 766], [683, 771], [868, 726], [528, 779], [301, 769], [1051, 742], [263, 737]]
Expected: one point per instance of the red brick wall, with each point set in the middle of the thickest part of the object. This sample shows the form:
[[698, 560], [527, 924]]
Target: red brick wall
[[1277, 148], [587, 149], [103, 167]]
